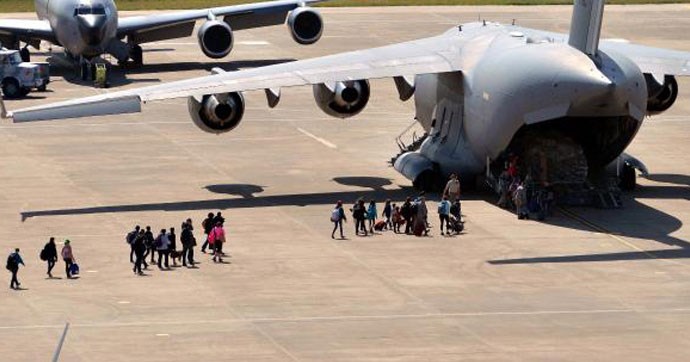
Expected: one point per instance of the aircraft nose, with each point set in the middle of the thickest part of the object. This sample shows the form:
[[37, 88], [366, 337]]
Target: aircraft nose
[[92, 28]]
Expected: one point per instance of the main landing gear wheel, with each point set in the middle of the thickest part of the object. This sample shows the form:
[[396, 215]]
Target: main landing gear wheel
[[628, 178], [137, 55]]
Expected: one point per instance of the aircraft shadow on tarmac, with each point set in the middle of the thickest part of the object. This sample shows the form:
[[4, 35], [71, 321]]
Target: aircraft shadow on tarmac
[[654, 225], [60, 66], [616, 221], [248, 199]]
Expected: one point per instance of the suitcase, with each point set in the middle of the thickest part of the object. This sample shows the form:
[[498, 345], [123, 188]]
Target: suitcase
[[419, 229], [379, 225]]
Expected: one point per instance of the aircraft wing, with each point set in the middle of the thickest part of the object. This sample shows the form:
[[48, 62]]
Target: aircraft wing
[[26, 30], [180, 24], [431, 55], [653, 60]]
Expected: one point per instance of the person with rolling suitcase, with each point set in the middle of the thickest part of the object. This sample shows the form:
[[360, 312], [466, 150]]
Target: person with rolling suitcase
[[68, 257]]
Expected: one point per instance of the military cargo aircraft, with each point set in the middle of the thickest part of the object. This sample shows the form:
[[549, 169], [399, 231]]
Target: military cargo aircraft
[[480, 90], [87, 29]]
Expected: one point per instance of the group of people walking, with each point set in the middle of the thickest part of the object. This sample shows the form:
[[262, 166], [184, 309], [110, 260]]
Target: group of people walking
[[50, 255], [143, 244], [412, 213]]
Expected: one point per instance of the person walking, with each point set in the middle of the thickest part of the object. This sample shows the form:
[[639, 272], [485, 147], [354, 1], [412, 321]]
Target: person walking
[[359, 214], [520, 200], [188, 243], [388, 214], [139, 246], [452, 189], [444, 214], [13, 261], [217, 237], [163, 248], [372, 214], [150, 247], [219, 219], [174, 255], [420, 218], [337, 217], [407, 214], [208, 225], [68, 258], [50, 255], [130, 240], [397, 219]]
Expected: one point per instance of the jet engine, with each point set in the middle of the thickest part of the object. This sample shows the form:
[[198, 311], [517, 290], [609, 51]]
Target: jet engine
[[344, 99], [660, 96], [306, 25], [217, 113], [215, 39]]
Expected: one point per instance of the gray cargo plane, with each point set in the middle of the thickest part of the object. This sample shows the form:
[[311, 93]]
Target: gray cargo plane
[[87, 29], [481, 90]]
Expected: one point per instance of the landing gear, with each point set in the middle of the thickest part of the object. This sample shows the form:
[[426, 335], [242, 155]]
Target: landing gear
[[136, 54], [25, 54], [628, 178]]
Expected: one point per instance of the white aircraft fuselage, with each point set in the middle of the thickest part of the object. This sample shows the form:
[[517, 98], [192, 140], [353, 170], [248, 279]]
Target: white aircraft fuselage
[[82, 27]]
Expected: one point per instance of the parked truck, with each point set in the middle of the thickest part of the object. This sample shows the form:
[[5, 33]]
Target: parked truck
[[18, 77]]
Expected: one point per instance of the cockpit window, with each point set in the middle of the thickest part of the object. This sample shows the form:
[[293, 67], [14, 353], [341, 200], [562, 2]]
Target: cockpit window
[[90, 10]]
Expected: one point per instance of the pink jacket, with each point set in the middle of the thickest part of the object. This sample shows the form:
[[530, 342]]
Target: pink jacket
[[67, 252], [217, 234]]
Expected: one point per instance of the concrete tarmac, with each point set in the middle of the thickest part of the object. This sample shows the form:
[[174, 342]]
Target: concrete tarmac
[[586, 284]]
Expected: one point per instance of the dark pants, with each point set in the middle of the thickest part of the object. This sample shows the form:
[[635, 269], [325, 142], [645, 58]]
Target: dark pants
[[203, 247], [360, 224], [163, 254], [68, 264], [139, 260], [187, 255], [335, 227], [152, 251], [444, 220], [131, 253], [14, 283], [408, 225], [51, 265]]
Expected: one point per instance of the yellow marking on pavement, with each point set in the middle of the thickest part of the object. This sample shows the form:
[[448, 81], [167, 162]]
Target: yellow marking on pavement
[[318, 139]]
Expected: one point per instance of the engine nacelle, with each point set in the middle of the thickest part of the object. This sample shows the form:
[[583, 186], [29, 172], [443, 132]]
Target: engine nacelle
[[217, 113], [306, 25], [345, 99], [660, 96], [215, 39]]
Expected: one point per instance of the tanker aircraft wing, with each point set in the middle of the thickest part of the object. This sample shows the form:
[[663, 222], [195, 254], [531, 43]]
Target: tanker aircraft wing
[[27, 30], [164, 26], [405, 60]]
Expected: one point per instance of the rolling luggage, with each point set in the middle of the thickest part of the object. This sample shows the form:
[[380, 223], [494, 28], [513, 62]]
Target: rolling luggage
[[379, 225]]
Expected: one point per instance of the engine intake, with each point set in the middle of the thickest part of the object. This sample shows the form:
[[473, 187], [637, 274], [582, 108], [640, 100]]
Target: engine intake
[[217, 113], [345, 99], [660, 96], [306, 25], [215, 39]]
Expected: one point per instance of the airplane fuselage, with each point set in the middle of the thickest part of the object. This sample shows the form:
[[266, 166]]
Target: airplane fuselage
[[83, 27], [517, 82]]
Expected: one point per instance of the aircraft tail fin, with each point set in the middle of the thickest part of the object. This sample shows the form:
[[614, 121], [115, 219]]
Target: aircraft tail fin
[[585, 29]]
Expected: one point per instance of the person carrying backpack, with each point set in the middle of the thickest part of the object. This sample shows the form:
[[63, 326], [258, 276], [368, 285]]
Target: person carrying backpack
[[139, 246], [188, 243], [13, 261], [68, 257], [49, 254], [208, 225], [129, 238], [337, 217], [359, 213], [444, 214], [217, 238]]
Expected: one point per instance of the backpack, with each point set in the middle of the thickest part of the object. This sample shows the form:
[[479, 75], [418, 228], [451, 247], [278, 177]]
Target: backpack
[[11, 262], [158, 242], [130, 237], [43, 255], [335, 215]]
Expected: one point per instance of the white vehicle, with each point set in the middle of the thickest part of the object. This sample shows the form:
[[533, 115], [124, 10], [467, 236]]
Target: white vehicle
[[19, 78]]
